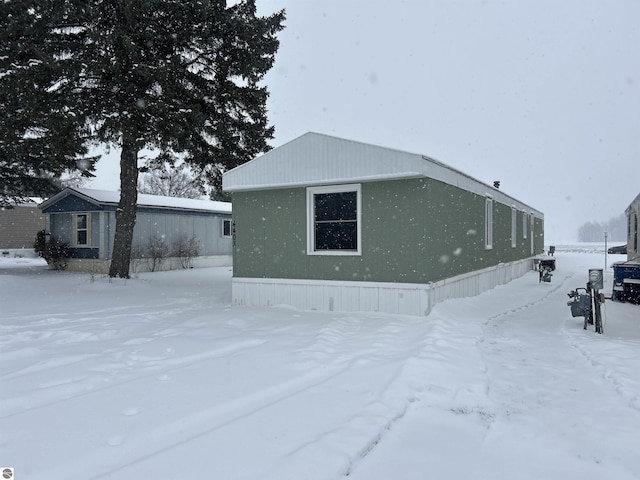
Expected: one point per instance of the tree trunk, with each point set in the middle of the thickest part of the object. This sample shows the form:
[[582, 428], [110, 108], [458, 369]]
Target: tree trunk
[[126, 213]]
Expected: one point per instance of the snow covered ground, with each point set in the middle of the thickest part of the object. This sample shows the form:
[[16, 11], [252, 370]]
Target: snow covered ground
[[159, 378]]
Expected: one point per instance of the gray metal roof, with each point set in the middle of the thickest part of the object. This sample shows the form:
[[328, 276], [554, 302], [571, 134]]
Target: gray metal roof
[[317, 159], [634, 204]]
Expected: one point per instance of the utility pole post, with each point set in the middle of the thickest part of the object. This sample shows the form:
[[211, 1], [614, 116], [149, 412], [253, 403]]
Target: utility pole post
[[605, 250]]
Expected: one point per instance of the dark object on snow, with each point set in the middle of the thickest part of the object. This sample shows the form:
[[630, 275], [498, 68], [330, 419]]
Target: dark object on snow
[[586, 305], [545, 273], [622, 249], [545, 262], [580, 303], [552, 250]]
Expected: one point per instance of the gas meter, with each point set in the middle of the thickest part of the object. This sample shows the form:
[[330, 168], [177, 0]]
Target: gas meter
[[596, 278]]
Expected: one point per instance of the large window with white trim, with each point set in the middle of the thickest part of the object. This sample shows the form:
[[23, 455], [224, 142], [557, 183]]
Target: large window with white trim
[[488, 223], [333, 220]]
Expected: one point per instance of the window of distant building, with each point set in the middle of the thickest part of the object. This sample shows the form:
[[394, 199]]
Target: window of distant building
[[227, 229]]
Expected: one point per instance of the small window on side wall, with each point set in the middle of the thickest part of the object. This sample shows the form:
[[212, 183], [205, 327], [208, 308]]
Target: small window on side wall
[[227, 229], [488, 223], [514, 216], [333, 220]]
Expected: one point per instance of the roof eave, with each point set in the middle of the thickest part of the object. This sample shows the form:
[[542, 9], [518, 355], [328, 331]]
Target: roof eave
[[324, 181]]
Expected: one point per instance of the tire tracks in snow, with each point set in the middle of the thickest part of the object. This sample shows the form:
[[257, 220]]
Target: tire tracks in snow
[[628, 393], [167, 365], [489, 344], [198, 425], [549, 365], [324, 360]]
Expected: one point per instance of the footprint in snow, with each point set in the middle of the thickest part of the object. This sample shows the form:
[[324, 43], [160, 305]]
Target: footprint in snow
[[131, 411], [115, 440]]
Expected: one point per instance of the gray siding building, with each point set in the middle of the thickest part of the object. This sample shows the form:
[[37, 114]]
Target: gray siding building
[[85, 219], [632, 213], [331, 224], [18, 228]]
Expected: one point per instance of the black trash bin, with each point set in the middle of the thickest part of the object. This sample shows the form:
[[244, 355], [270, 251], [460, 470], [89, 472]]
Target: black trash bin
[[632, 290], [626, 282]]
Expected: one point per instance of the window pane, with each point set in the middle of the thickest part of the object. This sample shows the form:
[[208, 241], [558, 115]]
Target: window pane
[[336, 236], [82, 237], [82, 222], [335, 206]]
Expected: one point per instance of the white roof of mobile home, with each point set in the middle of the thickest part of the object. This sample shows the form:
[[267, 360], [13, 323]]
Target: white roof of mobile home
[[316, 159]]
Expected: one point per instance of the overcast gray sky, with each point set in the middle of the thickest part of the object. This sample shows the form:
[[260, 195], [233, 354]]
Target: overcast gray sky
[[542, 95]]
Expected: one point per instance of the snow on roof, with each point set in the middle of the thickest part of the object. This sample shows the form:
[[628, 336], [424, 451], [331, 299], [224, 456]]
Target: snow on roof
[[317, 159], [29, 202], [145, 200]]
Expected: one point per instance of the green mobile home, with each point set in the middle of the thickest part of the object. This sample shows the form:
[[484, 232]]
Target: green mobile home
[[332, 224]]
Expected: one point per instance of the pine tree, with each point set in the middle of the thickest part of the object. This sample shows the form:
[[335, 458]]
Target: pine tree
[[177, 76], [39, 137]]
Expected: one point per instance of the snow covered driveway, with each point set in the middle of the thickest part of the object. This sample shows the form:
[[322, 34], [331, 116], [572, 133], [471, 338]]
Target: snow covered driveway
[[523, 391], [158, 377]]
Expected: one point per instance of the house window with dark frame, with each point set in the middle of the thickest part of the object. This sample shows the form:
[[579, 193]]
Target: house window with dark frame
[[334, 220], [227, 227], [81, 225]]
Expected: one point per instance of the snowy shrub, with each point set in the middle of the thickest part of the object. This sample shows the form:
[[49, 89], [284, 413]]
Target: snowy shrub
[[157, 252], [186, 249], [136, 259], [54, 250]]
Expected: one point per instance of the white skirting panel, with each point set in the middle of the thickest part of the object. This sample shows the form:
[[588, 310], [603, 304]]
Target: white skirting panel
[[396, 298]]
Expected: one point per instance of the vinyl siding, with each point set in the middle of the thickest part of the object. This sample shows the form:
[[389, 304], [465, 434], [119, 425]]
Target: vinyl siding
[[207, 229], [413, 231], [19, 226]]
